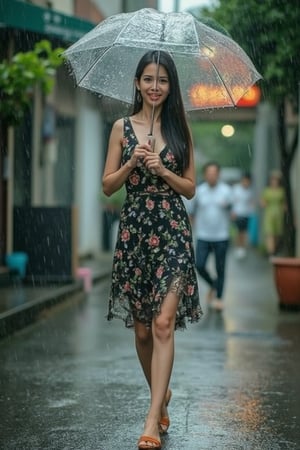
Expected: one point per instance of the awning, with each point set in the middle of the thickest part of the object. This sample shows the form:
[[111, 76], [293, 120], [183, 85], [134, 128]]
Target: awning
[[28, 17]]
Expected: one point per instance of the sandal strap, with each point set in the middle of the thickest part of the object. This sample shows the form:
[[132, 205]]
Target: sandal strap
[[152, 440], [164, 421]]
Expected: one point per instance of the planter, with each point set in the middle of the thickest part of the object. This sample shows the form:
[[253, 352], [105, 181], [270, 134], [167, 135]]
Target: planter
[[287, 280], [17, 262]]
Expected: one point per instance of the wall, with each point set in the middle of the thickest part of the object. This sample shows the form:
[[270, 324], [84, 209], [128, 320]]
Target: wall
[[109, 8], [65, 6], [133, 5], [88, 10], [88, 169], [266, 153]]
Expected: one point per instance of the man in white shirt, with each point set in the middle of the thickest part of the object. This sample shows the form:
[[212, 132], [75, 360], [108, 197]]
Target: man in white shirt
[[210, 211]]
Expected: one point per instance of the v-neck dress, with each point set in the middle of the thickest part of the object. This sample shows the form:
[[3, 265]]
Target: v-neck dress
[[154, 249]]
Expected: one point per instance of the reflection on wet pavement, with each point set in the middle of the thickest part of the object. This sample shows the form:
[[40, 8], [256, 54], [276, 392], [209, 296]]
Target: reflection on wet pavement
[[72, 381]]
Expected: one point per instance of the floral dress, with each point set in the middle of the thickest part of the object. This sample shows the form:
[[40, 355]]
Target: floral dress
[[154, 250]]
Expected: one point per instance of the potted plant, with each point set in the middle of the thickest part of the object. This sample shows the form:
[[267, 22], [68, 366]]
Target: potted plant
[[287, 280]]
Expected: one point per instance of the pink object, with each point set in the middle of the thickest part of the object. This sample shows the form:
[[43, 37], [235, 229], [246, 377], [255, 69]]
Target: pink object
[[85, 274]]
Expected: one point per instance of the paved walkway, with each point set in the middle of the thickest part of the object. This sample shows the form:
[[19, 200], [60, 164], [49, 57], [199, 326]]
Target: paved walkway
[[72, 380], [21, 303]]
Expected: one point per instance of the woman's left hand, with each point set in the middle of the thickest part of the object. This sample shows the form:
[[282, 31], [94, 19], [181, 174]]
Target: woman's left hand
[[154, 164]]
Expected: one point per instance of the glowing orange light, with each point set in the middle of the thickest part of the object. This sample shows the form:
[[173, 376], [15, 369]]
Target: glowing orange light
[[208, 96], [251, 98], [202, 96]]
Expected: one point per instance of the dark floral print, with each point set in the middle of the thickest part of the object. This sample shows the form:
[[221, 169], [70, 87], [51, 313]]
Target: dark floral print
[[154, 250]]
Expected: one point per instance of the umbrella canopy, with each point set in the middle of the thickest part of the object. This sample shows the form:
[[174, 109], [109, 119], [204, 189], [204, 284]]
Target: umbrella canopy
[[213, 70]]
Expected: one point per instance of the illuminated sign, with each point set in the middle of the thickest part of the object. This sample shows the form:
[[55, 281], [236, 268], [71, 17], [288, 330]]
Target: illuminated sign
[[202, 96]]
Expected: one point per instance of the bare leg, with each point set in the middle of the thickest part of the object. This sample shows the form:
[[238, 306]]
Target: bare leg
[[144, 348], [239, 239], [270, 244], [242, 239], [162, 361], [241, 244]]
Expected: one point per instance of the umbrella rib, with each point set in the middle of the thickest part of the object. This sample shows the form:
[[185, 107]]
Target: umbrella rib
[[214, 66], [153, 106], [93, 65], [114, 43], [121, 31], [222, 81], [125, 26]]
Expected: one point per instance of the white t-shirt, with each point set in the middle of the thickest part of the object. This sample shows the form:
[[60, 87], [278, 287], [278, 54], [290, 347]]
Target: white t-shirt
[[210, 208], [243, 201]]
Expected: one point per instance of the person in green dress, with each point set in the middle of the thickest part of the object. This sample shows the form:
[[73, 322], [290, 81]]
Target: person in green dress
[[273, 202]]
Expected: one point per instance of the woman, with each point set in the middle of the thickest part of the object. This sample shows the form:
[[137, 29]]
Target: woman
[[154, 287], [273, 202]]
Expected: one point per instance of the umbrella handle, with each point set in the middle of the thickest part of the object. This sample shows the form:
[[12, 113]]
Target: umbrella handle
[[151, 141], [153, 106], [152, 120]]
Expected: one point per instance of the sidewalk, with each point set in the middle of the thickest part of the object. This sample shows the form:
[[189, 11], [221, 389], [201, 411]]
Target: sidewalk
[[21, 303], [73, 381]]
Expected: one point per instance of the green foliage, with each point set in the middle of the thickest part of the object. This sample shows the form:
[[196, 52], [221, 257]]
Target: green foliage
[[209, 21], [234, 151], [115, 201], [21, 74], [268, 32]]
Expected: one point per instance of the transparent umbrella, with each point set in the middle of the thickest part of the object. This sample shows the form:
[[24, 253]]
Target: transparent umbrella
[[213, 70]]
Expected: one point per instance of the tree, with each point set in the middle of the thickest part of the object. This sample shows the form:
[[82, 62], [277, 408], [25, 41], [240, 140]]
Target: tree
[[19, 76], [268, 32]]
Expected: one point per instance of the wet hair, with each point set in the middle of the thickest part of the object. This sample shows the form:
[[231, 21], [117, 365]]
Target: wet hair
[[174, 127]]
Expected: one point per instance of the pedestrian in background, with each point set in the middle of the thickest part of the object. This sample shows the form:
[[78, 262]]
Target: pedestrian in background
[[154, 284], [242, 209], [273, 203], [210, 211]]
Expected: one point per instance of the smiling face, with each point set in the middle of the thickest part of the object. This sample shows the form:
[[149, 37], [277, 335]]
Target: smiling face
[[154, 85]]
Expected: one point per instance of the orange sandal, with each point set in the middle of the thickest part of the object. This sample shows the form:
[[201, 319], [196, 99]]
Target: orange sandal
[[164, 421], [145, 440]]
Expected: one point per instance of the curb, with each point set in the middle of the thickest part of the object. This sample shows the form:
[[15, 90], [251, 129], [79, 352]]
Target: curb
[[23, 315]]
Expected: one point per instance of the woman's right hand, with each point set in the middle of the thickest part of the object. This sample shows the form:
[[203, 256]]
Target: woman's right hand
[[138, 155]]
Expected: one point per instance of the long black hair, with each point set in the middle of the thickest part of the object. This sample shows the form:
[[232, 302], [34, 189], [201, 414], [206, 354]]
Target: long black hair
[[174, 127]]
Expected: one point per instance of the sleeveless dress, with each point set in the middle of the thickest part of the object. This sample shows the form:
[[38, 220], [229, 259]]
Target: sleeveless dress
[[274, 211], [154, 249]]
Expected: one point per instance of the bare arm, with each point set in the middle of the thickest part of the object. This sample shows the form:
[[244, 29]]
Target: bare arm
[[115, 174]]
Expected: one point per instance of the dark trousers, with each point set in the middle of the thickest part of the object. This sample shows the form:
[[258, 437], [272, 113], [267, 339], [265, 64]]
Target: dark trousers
[[219, 248]]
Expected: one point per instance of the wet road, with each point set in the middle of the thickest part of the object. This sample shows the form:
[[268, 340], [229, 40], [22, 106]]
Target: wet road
[[72, 381]]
